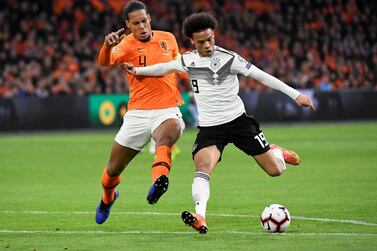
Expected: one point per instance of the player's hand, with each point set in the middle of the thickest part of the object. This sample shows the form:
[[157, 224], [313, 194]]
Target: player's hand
[[128, 67], [114, 38], [305, 101]]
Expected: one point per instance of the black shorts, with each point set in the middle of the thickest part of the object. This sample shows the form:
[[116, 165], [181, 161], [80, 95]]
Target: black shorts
[[243, 132]]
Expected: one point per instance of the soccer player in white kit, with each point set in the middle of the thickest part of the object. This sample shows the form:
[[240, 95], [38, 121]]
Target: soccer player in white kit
[[222, 117]]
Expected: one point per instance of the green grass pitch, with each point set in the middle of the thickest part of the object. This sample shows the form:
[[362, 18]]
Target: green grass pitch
[[50, 188]]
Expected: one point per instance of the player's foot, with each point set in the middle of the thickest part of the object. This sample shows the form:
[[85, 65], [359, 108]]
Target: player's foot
[[103, 210], [290, 157], [157, 189], [196, 221]]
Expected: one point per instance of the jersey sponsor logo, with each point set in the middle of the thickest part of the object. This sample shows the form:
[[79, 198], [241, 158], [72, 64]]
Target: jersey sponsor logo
[[248, 65], [164, 45]]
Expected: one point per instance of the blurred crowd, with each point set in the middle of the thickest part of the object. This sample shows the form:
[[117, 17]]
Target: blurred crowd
[[51, 47]]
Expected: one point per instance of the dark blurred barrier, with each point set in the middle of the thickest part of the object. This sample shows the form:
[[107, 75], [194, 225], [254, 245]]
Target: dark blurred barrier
[[29, 113], [330, 106]]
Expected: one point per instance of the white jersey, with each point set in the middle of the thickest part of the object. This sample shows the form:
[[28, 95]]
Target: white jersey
[[215, 84]]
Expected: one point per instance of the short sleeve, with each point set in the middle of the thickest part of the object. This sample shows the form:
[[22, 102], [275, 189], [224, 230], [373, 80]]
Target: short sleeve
[[240, 65]]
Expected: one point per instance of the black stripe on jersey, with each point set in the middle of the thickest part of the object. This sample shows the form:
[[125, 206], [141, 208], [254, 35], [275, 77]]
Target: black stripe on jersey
[[219, 49], [224, 71], [183, 61]]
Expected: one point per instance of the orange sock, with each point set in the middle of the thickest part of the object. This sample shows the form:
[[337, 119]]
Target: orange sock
[[108, 186], [162, 162]]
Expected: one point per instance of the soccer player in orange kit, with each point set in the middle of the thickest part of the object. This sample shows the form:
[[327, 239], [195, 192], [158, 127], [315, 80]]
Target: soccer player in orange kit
[[152, 108]]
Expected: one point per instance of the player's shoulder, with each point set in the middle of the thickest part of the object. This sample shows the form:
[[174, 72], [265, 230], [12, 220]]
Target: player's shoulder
[[126, 42], [189, 55], [225, 52], [163, 35], [128, 39]]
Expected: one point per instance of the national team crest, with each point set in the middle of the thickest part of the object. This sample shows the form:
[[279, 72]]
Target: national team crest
[[215, 64], [164, 45]]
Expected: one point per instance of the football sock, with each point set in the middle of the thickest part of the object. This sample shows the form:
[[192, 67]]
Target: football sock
[[200, 192], [279, 156], [162, 162], [108, 186]]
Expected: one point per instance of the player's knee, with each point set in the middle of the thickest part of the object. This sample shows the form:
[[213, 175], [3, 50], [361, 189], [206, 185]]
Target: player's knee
[[167, 140], [275, 171]]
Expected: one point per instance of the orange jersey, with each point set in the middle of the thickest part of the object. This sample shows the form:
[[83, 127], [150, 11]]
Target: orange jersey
[[147, 92]]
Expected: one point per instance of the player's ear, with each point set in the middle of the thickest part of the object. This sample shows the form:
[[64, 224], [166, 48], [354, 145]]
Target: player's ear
[[149, 18], [127, 24], [192, 41]]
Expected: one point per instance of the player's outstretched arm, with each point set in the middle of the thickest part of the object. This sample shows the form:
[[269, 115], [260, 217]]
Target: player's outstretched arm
[[274, 83], [128, 67], [160, 69], [305, 101], [111, 40]]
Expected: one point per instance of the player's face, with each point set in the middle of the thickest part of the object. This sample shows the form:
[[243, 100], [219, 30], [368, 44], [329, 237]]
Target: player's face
[[139, 22], [204, 42]]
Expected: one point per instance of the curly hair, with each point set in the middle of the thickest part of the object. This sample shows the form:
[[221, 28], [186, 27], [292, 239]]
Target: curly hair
[[198, 22]]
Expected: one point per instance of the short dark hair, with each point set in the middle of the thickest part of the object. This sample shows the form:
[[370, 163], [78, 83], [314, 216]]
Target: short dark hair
[[132, 6], [198, 22]]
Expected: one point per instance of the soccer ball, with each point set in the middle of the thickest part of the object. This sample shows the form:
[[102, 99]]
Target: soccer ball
[[275, 218]]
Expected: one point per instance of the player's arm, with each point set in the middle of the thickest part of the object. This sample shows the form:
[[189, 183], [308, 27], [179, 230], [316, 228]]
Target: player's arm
[[274, 83], [111, 40], [160, 69]]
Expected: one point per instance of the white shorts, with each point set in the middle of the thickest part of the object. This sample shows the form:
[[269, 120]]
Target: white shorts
[[138, 126]]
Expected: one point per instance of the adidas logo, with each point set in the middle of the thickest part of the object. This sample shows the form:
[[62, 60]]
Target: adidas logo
[[192, 64]]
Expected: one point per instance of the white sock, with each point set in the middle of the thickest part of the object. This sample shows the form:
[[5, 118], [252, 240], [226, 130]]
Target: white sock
[[279, 156], [200, 192]]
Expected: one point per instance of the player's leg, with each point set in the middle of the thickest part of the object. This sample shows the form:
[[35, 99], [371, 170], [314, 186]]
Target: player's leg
[[131, 138], [290, 157], [175, 151], [205, 160], [247, 136], [119, 159], [272, 162], [207, 150], [165, 135], [166, 131]]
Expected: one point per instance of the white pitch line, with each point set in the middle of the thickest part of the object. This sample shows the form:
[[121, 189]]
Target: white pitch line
[[355, 222], [8, 231]]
